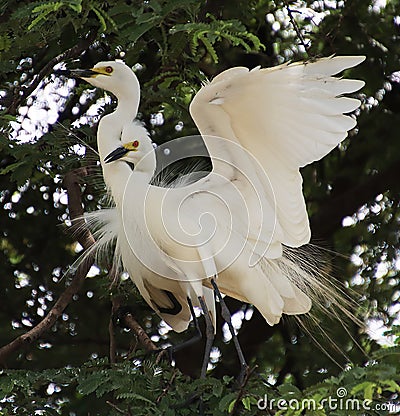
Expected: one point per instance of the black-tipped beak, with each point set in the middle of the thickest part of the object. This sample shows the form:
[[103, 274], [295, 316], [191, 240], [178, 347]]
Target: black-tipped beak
[[76, 73], [116, 154]]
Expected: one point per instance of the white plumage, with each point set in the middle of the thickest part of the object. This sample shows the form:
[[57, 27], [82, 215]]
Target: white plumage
[[259, 127]]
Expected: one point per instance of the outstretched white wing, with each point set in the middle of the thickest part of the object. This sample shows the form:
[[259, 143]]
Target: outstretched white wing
[[286, 117]]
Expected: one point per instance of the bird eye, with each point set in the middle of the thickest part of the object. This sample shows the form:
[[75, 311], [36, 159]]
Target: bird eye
[[109, 69], [135, 143]]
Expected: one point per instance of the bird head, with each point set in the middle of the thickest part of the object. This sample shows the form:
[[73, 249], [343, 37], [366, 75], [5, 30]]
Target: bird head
[[128, 152], [113, 76], [136, 149]]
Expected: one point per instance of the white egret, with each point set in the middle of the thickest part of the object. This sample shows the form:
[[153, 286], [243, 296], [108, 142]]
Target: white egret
[[231, 227]]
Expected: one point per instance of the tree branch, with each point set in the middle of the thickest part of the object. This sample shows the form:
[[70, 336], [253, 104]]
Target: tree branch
[[71, 183], [143, 338], [129, 321]]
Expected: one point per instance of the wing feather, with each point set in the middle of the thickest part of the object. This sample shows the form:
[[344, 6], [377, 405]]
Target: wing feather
[[287, 117]]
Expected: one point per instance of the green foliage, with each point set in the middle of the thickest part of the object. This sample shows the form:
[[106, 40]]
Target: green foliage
[[69, 11], [5, 43], [147, 388], [214, 32]]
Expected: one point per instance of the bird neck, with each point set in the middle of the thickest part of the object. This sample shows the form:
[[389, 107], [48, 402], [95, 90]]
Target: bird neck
[[127, 108], [110, 130], [111, 125], [119, 176]]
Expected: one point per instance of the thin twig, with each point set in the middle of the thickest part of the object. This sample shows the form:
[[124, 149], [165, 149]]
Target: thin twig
[[113, 345], [71, 183], [296, 27], [167, 387], [116, 408], [235, 410]]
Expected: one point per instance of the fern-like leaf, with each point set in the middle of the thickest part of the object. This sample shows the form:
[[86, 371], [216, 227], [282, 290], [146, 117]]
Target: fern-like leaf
[[92, 382], [103, 17], [209, 47], [134, 396], [209, 34], [5, 43], [43, 11]]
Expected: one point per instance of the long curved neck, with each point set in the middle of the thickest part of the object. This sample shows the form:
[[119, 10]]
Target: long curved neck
[[120, 175], [111, 128], [127, 104]]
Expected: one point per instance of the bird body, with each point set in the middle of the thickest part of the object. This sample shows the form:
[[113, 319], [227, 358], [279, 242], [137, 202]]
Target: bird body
[[178, 253], [259, 127]]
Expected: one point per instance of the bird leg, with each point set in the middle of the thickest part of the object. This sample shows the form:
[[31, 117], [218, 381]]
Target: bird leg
[[209, 337], [207, 351], [226, 315]]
